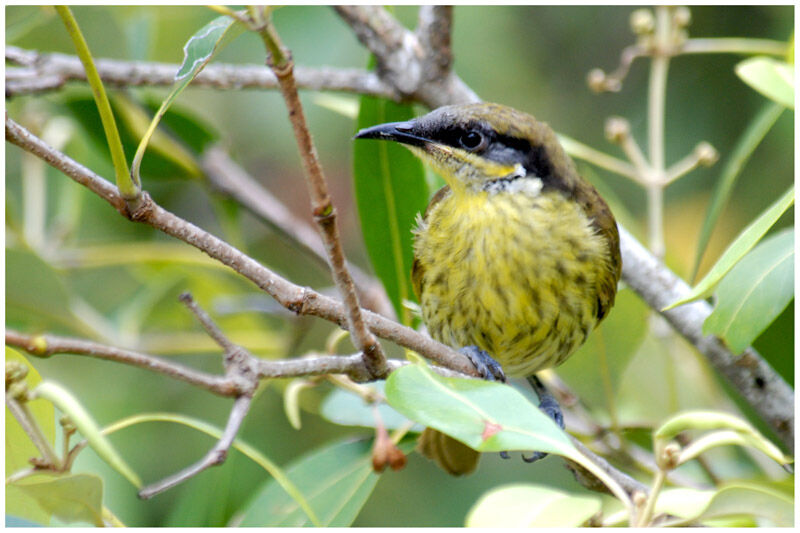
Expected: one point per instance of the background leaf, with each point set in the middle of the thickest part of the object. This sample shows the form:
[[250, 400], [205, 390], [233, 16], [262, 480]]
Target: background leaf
[[337, 480], [754, 292], [741, 153], [71, 497], [531, 506], [390, 190], [348, 409], [772, 78], [738, 248], [19, 447]]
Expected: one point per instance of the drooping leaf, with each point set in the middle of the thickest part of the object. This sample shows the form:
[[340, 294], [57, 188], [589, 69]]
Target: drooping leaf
[[390, 190], [337, 480], [731, 500], [198, 51], [744, 148], [738, 248], [69, 405], [771, 77], [526, 505], [69, 497], [712, 420], [260, 459], [754, 292]]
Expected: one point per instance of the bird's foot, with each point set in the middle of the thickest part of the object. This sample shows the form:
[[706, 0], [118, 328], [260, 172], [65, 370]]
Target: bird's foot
[[549, 406], [487, 367]]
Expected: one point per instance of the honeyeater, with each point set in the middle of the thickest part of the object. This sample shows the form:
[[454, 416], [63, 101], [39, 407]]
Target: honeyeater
[[517, 258]]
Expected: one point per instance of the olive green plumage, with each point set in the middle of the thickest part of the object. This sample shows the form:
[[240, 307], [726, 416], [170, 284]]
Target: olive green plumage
[[517, 255]]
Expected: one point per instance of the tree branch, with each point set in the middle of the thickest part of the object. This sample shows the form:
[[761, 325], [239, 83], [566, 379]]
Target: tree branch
[[46, 72], [232, 180], [301, 300], [322, 208], [214, 457]]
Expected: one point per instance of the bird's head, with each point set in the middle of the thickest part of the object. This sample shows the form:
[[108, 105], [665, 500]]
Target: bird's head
[[474, 146]]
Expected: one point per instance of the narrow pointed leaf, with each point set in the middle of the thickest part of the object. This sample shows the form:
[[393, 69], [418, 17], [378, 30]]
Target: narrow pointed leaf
[[198, 51], [337, 480], [754, 292], [744, 148], [531, 506], [69, 405], [738, 248], [771, 77], [390, 190]]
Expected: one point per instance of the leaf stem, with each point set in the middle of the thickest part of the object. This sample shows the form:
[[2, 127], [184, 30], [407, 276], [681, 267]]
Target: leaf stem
[[31, 427], [129, 189]]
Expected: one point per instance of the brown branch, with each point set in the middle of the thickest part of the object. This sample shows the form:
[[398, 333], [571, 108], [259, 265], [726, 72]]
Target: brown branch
[[321, 206], [434, 31], [232, 180], [45, 72], [214, 457]]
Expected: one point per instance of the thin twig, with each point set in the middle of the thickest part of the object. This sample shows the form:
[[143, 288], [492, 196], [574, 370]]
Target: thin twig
[[215, 456], [322, 208], [231, 179], [50, 71], [47, 345], [31, 427]]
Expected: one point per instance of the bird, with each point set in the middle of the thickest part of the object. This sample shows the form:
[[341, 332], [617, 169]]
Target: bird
[[516, 258]]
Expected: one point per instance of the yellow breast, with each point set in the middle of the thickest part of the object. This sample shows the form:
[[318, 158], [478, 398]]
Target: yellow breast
[[515, 274]]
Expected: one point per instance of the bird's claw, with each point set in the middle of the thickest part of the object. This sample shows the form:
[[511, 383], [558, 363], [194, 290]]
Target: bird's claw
[[487, 367]]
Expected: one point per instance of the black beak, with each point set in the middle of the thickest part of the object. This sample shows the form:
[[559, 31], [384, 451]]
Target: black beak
[[402, 132]]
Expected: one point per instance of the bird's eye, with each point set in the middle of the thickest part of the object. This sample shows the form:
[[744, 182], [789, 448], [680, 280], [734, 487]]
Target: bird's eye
[[471, 140]]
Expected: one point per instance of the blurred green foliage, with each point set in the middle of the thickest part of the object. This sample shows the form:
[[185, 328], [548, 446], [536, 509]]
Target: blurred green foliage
[[532, 58]]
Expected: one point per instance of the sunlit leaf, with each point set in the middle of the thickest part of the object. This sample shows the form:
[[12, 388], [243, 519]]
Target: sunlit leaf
[[531, 506], [69, 405], [771, 77], [390, 190], [754, 292], [738, 248], [741, 153], [71, 497], [731, 500]]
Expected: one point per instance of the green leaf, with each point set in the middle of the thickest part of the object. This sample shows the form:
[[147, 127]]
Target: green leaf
[[390, 190], [754, 292], [772, 78], [337, 479], [71, 497], [198, 51], [348, 409], [274, 470], [744, 148], [731, 500], [738, 248], [19, 447], [595, 371], [488, 417], [531, 506], [712, 420], [66, 402]]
